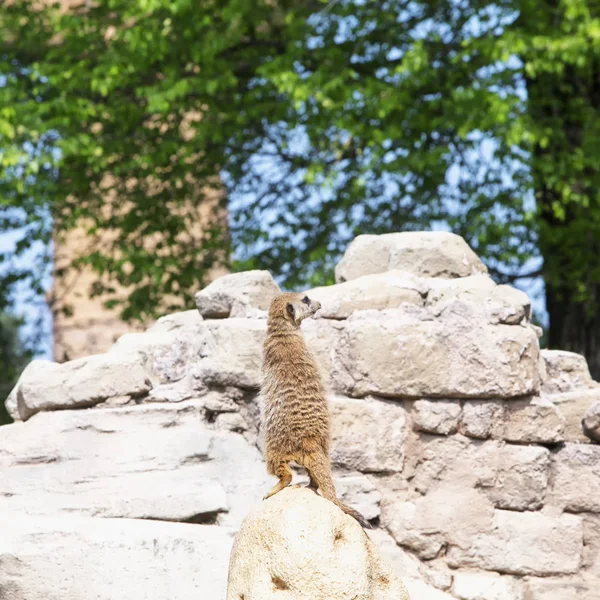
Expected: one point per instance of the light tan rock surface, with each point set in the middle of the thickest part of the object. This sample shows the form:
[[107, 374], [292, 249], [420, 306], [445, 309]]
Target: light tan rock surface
[[450, 433], [430, 253], [300, 546], [237, 291], [83, 382], [591, 422], [79, 558]]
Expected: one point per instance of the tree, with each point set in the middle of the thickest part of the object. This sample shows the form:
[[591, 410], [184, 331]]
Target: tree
[[323, 120]]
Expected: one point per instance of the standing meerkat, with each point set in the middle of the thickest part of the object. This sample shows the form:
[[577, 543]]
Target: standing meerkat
[[295, 410]]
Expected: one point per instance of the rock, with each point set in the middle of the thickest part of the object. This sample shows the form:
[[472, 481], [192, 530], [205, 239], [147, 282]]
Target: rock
[[379, 291], [572, 406], [444, 516], [435, 358], [481, 418], [302, 546], [436, 416], [423, 253], [11, 405], [232, 353], [528, 543], [590, 422], [361, 493], [186, 320], [322, 337], [565, 372], [576, 477], [403, 563], [368, 434], [419, 590], [474, 585], [250, 289], [478, 297], [46, 385], [575, 588], [522, 477], [78, 558], [534, 420], [154, 461]]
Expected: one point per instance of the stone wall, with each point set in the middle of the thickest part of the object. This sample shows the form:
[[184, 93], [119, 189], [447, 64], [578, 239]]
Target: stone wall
[[452, 433]]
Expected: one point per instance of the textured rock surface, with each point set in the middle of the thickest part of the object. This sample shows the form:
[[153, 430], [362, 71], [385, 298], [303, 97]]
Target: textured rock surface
[[299, 545], [524, 544], [591, 422], [432, 253], [435, 358], [78, 558], [436, 416], [46, 385], [450, 433], [565, 372], [238, 292]]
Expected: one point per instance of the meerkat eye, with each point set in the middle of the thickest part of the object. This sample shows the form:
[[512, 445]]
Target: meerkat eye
[[306, 300], [290, 310]]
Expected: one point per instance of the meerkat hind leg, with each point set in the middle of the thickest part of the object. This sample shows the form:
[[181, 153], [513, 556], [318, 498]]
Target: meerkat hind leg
[[285, 478]]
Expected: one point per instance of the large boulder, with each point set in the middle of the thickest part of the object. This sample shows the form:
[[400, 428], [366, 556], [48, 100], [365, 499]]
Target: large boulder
[[565, 372], [154, 461], [45, 385], [438, 358], [238, 292], [423, 253], [301, 546], [79, 558]]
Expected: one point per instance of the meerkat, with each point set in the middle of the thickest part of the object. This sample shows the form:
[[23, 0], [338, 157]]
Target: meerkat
[[295, 409]]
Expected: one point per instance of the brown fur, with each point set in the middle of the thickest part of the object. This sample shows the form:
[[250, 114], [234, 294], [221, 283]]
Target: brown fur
[[295, 411]]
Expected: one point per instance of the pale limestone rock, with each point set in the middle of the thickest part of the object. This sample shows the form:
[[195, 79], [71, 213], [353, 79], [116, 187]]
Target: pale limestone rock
[[379, 291], [322, 337], [573, 406], [45, 385], [478, 585], [232, 354], [528, 543], [481, 418], [250, 289], [576, 477], [449, 514], [302, 546], [436, 460], [522, 477], [436, 416], [419, 590], [565, 372], [153, 461], [79, 558], [186, 320], [590, 422], [591, 543], [11, 405], [477, 297], [535, 420], [423, 253], [359, 492], [579, 587], [434, 358], [367, 434], [404, 564]]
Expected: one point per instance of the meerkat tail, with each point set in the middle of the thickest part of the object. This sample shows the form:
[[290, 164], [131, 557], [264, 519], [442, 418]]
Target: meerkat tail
[[320, 473], [355, 515]]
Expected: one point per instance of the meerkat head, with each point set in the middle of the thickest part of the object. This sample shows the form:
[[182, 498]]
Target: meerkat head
[[293, 307]]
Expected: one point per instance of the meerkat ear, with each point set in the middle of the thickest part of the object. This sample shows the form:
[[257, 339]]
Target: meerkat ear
[[290, 310]]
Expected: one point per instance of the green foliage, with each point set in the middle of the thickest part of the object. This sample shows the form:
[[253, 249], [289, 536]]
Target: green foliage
[[324, 120]]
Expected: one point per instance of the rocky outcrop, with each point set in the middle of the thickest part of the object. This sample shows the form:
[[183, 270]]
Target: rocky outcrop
[[452, 433], [304, 546]]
